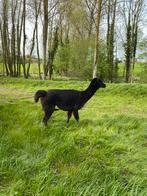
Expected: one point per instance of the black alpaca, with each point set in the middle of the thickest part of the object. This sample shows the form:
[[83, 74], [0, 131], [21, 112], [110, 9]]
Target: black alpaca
[[67, 100]]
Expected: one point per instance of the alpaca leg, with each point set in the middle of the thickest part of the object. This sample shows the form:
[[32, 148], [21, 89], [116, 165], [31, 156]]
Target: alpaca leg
[[48, 113], [69, 114], [76, 115]]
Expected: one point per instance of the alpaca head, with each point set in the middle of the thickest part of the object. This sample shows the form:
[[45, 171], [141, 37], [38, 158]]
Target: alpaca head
[[98, 83]]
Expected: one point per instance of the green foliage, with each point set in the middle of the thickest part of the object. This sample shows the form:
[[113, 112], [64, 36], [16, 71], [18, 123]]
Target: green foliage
[[75, 59], [62, 59], [103, 66], [144, 74], [105, 154], [143, 49]]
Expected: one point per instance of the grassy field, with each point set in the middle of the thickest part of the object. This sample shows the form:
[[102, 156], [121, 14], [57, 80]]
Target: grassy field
[[104, 154]]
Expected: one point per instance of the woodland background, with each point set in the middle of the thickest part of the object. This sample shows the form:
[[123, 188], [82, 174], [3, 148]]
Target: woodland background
[[74, 38]]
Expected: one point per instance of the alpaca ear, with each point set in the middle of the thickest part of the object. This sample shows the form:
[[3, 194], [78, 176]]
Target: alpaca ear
[[94, 80]]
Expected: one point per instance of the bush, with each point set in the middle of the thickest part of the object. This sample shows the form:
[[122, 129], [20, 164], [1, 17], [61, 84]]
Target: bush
[[143, 75]]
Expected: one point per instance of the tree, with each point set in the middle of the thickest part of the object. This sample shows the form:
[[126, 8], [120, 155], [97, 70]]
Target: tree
[[5, 38], [45, 35], [13, 36], [111, 16], [51, 52], [37, 41], [35, 31], [97, 39], [24, 39], [132, 10], [91, 5], [19, 25]]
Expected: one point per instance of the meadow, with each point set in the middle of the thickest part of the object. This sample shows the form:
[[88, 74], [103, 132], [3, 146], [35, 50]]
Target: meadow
[[104, 154]]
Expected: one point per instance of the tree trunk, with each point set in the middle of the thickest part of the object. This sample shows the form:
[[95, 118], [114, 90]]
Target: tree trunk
[[96, 53], [110, 40], [128, 52], [24, 39], [38, 53], [45, 36], [13, 38], [31, 51], [19, 35], [3, 50], [131, 37], [37, 41], [52, 52], [6, 41]]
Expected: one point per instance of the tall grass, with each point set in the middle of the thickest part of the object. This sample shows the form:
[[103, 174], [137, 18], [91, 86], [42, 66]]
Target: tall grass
[[104, 154]]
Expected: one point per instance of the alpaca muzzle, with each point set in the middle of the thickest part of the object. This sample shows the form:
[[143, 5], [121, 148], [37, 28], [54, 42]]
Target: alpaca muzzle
[[103, 85]]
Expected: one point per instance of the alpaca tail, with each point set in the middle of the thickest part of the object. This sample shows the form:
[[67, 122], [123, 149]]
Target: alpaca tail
[[38, 94]]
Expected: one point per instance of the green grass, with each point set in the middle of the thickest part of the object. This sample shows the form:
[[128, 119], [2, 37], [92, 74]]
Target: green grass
[[104, 154]]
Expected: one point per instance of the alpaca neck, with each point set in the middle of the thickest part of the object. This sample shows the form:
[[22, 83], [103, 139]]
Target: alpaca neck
[[88, 93]]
